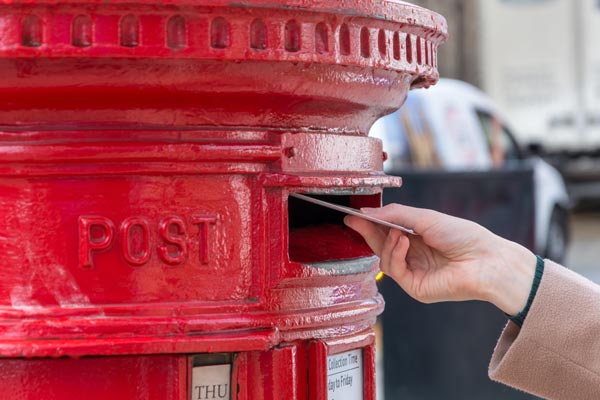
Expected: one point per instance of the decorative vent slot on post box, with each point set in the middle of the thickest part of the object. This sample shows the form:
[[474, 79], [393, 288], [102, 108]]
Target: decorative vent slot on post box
[[318, 234]]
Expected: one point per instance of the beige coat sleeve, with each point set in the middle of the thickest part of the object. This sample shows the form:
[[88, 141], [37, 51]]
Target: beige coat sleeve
[[556, 353]]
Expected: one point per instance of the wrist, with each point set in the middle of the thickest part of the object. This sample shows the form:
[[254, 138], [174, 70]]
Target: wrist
[[510, 274]]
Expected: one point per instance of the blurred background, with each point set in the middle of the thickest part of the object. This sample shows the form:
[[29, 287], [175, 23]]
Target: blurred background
[[510, 137]]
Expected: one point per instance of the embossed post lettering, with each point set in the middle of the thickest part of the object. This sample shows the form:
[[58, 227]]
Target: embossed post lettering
[[137, 241], [203, 222], [95, 233], [172, 230], [135, 248]]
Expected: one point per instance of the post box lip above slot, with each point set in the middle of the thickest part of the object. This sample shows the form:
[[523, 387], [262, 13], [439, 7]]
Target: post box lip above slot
[[354, 183], [313, 191]]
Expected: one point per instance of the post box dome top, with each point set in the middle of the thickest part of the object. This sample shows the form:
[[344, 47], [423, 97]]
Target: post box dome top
[[295, 64]]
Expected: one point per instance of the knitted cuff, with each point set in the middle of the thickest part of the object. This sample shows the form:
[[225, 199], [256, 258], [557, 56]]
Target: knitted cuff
[[539, 271]]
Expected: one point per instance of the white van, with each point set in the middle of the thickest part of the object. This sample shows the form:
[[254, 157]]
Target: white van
[[453, 126]]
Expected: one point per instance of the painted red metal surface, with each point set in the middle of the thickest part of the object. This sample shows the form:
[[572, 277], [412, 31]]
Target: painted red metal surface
[[147, 150]]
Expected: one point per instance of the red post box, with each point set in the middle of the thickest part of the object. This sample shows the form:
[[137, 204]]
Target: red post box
[[147, 151]]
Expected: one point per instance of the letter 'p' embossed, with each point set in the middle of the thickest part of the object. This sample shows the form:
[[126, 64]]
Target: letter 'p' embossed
[[95, 233]]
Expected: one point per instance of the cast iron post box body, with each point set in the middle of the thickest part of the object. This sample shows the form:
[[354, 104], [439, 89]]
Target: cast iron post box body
[[147, 150]]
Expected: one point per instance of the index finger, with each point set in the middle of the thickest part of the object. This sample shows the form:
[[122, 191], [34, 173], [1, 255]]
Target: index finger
[[374, 234]]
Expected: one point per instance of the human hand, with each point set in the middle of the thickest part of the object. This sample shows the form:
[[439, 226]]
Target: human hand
[[450, 259]]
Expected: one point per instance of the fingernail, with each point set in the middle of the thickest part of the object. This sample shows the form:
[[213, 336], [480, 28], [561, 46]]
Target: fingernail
[[368, 210]]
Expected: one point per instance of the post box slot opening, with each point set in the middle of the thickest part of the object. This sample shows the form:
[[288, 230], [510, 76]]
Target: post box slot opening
[[318, 234]]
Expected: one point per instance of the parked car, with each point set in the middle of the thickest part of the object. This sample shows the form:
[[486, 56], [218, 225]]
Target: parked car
[[454, 126]]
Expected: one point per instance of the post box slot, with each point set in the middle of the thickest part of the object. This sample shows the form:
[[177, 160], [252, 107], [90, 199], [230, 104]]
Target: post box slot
[[318, 234]]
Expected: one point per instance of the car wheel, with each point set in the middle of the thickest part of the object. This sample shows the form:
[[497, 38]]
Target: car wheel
[[558, 236]]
